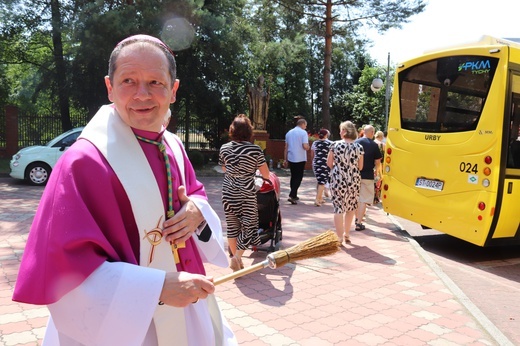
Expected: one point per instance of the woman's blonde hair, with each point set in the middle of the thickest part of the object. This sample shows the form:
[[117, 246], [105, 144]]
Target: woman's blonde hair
[[350, 130], [380, 135]]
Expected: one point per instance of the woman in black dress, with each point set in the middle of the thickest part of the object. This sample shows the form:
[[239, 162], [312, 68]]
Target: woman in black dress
[[319, 152]]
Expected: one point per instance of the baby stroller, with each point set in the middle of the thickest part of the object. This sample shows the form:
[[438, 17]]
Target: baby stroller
[[269, 217]]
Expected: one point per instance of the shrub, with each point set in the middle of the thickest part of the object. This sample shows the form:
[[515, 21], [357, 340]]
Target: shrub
[[196, 158]]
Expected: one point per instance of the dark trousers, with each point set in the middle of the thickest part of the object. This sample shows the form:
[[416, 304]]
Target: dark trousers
[[297, 169]]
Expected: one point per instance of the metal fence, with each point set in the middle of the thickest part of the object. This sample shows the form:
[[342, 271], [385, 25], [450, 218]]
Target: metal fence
[[195, 139], [38, 130], [3, 130], [196, 134]]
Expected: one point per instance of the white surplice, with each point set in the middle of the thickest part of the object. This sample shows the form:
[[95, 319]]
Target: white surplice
[[117, 303]]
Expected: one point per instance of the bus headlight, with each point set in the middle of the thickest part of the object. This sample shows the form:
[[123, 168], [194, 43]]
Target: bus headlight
[[485, 183], [387, 169]]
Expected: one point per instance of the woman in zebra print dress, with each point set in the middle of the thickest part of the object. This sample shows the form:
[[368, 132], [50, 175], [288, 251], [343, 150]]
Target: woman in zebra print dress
[[240, 159]]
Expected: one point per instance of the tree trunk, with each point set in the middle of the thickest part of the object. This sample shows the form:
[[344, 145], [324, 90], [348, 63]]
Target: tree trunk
[[61, 73], [326, 67]]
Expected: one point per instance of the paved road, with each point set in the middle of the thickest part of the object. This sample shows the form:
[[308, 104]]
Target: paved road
[[382, 290], [489, 277]]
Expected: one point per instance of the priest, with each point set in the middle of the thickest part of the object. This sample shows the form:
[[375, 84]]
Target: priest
[[117, 246]]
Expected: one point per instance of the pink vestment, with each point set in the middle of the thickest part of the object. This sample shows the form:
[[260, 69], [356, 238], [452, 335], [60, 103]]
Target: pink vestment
[[85, 219], [84, 210]]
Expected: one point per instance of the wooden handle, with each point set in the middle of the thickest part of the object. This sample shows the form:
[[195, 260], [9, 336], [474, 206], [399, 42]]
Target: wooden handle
[[241, 272]]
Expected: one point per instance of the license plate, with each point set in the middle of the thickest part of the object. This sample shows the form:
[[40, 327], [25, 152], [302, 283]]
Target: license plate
[[436, 185]]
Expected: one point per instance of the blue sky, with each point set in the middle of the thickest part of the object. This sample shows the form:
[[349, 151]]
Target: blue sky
[[447, 23]]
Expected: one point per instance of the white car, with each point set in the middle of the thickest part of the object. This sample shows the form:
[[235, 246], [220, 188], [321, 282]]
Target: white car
[[34, 164]]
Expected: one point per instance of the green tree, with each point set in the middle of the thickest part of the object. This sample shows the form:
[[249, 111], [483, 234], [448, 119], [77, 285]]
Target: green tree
[[276, 49], [345, 17], [212, 70], [4, 83], [32, 36], [59, 63], [348, 61], [228, 45], [209, 55], [364, 106], [100, 26]]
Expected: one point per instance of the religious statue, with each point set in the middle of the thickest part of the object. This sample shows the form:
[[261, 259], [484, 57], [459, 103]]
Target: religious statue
[[258, 104]]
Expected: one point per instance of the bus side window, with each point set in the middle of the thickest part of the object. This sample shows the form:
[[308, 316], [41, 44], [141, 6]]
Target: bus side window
[[515, 154], [514, 137]]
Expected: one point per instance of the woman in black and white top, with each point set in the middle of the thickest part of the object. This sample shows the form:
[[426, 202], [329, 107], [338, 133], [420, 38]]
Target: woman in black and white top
[[240, 159]]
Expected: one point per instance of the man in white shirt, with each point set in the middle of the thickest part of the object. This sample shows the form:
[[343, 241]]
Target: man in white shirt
[[295, 156]]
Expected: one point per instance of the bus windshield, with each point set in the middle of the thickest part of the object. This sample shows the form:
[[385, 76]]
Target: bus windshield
[[445, 94]]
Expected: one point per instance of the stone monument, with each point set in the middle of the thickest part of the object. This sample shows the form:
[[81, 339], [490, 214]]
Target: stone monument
[[258, 99]]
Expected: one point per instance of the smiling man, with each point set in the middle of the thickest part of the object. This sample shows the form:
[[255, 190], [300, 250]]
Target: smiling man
[[123, 228]]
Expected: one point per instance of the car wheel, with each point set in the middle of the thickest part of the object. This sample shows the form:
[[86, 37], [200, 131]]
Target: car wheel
[[37, 173]]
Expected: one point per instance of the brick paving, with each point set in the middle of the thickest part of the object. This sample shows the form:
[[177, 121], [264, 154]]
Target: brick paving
[[380, 290]]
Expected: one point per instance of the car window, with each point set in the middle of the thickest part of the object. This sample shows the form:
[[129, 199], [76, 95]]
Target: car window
[[68, 141]]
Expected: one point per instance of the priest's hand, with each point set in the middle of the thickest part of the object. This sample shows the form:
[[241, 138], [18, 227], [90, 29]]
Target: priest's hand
[[181, 289], [184, 223]]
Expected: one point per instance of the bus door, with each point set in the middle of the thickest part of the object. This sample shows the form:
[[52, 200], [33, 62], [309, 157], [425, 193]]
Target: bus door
[[508, 224]]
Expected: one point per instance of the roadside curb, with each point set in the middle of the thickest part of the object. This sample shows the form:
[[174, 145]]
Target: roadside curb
[[479, 317]]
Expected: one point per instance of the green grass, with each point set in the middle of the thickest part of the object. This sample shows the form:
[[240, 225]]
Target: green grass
[[4, 165]]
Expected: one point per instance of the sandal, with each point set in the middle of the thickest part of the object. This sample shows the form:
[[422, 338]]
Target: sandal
[[234, 264], [360, 227], [346, 238]]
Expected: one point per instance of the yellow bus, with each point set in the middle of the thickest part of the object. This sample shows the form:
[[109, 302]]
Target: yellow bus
[[452, 160]]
